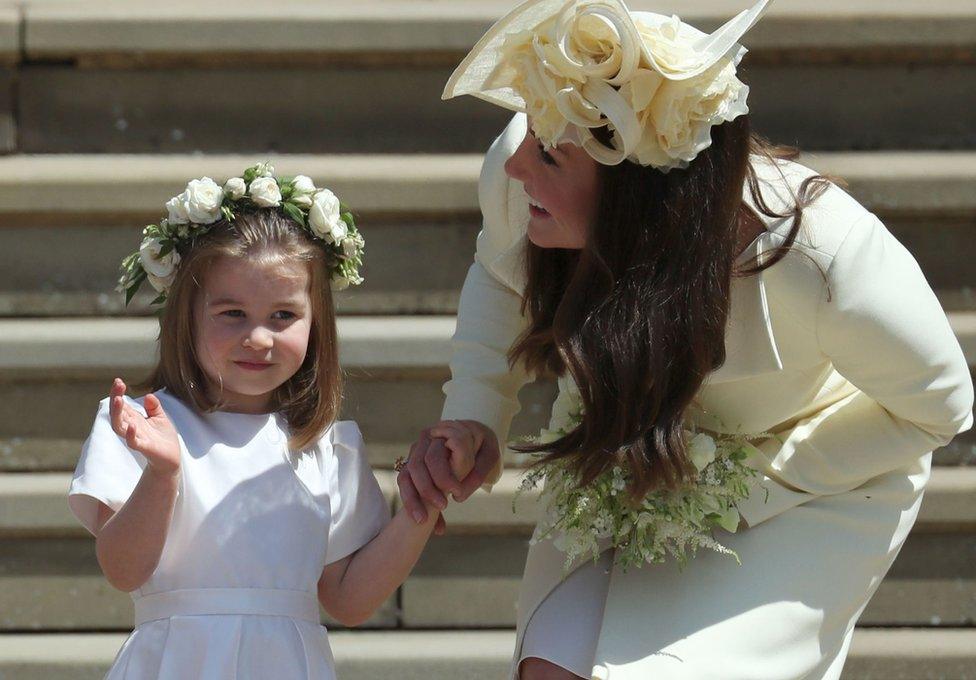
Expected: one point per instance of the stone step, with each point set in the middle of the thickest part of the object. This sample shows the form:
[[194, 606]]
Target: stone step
[[103, 79], [62, 260], [465, 579], [51, 366], [892, 654], [143, 30]]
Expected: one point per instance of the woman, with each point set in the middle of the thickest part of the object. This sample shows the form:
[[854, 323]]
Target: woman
[[642, 244]]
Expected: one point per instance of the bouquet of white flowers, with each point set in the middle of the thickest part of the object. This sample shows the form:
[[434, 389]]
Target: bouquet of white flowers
[[664, 522]]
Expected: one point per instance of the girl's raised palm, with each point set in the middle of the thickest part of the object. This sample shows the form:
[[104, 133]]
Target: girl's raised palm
[[152, 435]]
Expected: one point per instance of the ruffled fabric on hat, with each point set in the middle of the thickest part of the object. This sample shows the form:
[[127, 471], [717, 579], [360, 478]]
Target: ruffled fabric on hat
[[657, 83]]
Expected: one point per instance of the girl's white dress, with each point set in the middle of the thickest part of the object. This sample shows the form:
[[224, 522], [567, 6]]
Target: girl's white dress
[[234, 594]]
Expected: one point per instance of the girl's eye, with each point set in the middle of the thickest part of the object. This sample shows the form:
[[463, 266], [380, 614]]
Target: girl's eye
[[285, 315], [233, 312], [546, 156]]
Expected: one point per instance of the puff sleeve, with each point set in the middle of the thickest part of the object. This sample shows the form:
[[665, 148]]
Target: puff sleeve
[[358, 508], [482, 387], [883, 329], [107, 471]]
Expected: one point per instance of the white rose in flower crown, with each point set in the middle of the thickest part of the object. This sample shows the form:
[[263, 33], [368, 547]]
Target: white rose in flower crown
[[160, 270], [325, 217], [202, 200], [265, 192], [702, 450], [340, 282], [235, 187], [303, 190], [265, 170], [177, 210]]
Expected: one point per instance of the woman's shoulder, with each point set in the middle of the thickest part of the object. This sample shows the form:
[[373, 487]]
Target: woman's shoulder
[[826, 221]]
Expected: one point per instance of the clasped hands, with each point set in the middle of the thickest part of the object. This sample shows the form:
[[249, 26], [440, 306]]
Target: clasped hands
[[452, 457]]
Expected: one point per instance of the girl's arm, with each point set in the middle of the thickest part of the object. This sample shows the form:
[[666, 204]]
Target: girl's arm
[[354, 587], [128, 543]]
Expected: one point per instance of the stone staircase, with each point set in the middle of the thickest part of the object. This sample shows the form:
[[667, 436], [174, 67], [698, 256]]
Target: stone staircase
[[108, 107]]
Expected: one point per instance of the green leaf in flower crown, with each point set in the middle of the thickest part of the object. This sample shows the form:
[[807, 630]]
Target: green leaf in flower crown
[[227, 213], [286, 189], [134, 286], [347, 218], [167, 248], [294, 212], [159, 299], [250, 174]]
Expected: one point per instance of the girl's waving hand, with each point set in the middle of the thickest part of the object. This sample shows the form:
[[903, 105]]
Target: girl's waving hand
[[152, 435]]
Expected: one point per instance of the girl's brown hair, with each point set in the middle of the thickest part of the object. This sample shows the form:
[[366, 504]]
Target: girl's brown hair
[[310, 399], [638, 315]]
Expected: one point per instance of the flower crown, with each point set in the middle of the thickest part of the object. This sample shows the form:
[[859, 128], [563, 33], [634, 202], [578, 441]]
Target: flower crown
[[656, 83], [204, 203]]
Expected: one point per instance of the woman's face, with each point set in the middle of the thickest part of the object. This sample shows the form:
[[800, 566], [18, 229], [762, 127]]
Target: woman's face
[[563, 185], [251, 329]]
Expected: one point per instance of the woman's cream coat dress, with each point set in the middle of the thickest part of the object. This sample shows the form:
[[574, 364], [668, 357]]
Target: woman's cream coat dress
[[843, 351]]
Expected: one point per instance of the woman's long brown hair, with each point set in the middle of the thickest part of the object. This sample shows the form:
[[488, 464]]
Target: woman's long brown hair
[[310, 399], [638, 315]]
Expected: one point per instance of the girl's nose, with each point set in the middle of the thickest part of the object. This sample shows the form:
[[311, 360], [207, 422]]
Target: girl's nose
[[258, 338]]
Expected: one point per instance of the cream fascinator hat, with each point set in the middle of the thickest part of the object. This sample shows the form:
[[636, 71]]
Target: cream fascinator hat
[[658, 84]]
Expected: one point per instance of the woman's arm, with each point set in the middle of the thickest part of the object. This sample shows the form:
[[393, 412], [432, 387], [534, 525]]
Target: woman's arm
[[883, 329], [482, 387]]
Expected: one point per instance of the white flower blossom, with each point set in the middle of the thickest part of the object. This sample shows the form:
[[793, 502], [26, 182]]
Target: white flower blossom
[[264, 192], [160, 269], [303, 190], [177, 210], [201, 201], [325, 217], [265, 170], [702, 451], [350, 246], [235, 187]]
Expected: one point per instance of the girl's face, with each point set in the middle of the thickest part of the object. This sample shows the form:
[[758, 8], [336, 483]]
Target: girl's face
[[563, 185], [251, 329]]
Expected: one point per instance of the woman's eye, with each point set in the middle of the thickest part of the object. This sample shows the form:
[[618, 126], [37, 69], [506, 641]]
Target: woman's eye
[[546, 156]]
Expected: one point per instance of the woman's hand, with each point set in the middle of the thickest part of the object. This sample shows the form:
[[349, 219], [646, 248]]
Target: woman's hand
[[462, 442], [430, 472], [152, 435]]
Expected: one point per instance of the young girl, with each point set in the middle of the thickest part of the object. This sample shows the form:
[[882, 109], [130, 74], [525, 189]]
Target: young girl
[[674, 269], [229, 502]]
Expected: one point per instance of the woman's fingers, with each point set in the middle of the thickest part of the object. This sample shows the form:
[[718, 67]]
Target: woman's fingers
[[410, 497], [425, 485], [484, 462], [438, 462]]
